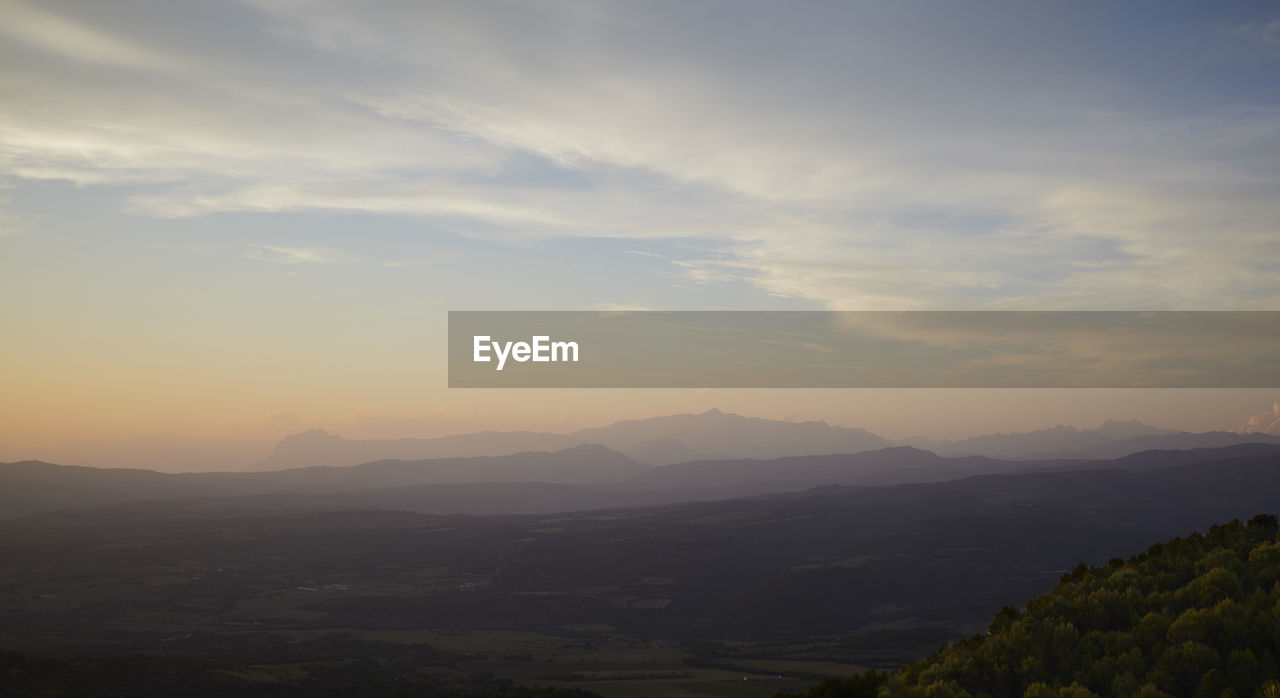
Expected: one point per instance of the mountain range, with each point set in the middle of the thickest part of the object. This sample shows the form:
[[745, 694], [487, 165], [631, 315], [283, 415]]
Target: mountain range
[[579, 478], [656, 441], [833, 560], [735, 566], [716, 435]]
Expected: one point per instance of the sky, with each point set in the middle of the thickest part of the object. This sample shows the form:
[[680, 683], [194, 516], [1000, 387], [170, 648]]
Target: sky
[[224, 222]]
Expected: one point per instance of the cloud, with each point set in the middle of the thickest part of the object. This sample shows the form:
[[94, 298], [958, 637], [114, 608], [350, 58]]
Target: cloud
[[875, 159], [1265, 422], [50, 32], [1262, 34], [295, 255]]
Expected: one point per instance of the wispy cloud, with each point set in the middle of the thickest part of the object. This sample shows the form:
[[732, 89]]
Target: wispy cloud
[[878, 160], [47, 31], [1262, 34], [296, 255]]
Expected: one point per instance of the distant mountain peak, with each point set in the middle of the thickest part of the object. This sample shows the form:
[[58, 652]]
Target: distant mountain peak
[[312, 435], [668, 439], [1128, 429]]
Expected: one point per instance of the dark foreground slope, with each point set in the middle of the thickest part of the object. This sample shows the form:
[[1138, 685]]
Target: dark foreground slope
[[333, 669], [779, 584], [1197, 616], [835, 560]]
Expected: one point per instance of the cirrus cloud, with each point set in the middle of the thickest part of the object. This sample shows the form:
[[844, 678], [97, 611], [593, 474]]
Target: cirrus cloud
[[872, 157]]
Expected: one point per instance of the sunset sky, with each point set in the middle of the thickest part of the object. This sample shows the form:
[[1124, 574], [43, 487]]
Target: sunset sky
[[221, 223]]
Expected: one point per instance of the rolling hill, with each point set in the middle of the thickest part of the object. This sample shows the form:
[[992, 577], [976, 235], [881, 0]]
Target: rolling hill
[[575, 479]]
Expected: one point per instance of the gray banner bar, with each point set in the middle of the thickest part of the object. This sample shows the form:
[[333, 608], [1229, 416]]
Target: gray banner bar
[[817, 349]]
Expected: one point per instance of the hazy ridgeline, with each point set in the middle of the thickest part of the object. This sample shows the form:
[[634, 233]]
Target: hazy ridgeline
[[707, 456], [580, 568], [717, 435]]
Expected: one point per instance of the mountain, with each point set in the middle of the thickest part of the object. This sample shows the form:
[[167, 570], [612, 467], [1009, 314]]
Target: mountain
[[846, 560], [576, 479], [622, 600], [31, 486], [1191, 617], [657, 441], [1156, 458], [716, 435], [835, 561], [887, 466], [1056, 442], [318, 447], [28, 487], [721, 435], [1179, 440], [471, 498], [904, 464], [587, 463], [1112, 439]]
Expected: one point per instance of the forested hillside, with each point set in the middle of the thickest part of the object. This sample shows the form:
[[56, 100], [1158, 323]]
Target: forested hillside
[[1198, 617]]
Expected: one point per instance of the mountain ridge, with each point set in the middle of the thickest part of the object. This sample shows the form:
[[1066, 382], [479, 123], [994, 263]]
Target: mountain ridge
[[717, 435], [576, 479]]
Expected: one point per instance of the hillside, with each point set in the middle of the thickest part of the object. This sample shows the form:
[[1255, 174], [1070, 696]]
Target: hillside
[[32, 487], [575, 479], [801, 585], [833, 560], [1197, 616]]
